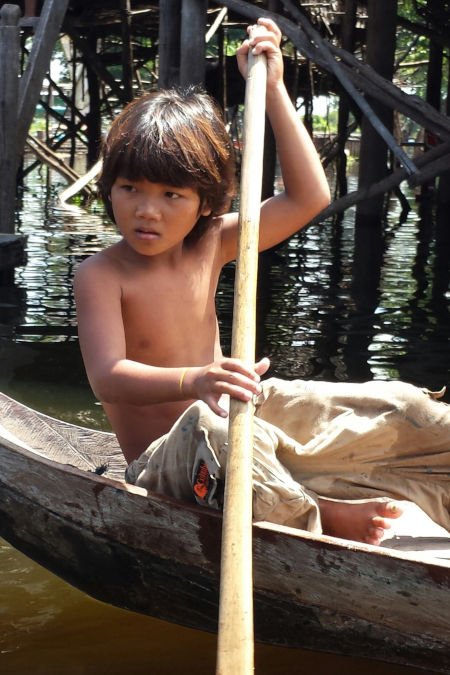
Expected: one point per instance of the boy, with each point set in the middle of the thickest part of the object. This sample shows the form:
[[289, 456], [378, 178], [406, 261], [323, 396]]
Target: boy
[[146, 312]]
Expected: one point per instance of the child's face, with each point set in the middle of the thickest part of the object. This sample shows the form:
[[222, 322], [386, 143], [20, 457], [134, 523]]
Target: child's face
[[154, 218]]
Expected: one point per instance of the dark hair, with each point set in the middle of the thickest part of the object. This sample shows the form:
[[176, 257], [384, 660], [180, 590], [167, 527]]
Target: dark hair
[[174, 136]]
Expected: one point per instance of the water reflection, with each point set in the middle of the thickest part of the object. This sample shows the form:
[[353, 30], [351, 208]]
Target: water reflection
[[334, 302]]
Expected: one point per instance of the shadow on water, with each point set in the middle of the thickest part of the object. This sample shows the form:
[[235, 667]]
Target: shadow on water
[[335, 302]]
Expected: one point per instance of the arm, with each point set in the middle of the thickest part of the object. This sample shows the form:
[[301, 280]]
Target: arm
[[306, 188], [119, 380]]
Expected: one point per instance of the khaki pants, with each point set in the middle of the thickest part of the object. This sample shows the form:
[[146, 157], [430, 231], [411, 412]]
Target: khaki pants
[[337, 440]]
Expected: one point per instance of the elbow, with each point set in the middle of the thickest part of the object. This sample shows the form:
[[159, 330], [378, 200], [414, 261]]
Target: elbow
[[102, 393], [104, 389], [324, 196], [322, 200]]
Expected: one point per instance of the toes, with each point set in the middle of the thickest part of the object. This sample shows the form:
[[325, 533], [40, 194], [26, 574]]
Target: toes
[[374, 536], [381, 523], [376, 532], [389, 509]]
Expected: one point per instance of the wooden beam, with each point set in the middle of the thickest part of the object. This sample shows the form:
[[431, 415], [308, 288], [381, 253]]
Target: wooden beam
[[361, 75], [89, 56], [46, 35], [127, 49], [47, 156], [9, 92]]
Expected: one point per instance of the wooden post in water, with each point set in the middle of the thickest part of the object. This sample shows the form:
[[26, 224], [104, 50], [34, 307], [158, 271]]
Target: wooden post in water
[[381, 36], [45, 37], [193, 49], [169, 43], [9, 93], [127, 49]]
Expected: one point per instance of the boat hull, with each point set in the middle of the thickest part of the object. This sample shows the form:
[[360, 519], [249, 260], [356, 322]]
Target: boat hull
[[161, 557]]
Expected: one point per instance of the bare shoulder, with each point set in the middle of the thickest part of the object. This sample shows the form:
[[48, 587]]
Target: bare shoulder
[[102, 263], [98, 280]]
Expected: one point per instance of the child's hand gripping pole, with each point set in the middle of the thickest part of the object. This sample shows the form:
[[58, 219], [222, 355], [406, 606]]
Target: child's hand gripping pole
[[235, 639]]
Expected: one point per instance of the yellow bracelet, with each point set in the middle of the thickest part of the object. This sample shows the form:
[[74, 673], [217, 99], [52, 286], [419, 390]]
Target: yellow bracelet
[[183, 373]]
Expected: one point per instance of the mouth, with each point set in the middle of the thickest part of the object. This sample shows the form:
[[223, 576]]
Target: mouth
[[146, 233]]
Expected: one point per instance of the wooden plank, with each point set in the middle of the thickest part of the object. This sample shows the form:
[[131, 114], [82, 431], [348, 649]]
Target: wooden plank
[[46, 35], [9, 91]]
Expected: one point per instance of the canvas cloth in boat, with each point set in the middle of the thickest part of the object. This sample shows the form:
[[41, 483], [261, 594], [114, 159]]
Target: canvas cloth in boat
[[337, 440]]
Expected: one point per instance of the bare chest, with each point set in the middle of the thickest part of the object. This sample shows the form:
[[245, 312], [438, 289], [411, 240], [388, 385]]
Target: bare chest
[[170, 318]]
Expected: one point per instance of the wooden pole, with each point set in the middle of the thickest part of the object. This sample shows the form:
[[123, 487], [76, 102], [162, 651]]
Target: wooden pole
[[9, 95], [127, 49], [193, 45], [45, 37], [235, 639], [169, 37]]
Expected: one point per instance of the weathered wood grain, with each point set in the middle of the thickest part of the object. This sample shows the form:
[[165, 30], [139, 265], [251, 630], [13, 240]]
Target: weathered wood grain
[[161, 557]]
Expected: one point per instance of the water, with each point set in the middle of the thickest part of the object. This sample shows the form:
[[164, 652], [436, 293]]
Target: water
[[49, 628], [319, 317]]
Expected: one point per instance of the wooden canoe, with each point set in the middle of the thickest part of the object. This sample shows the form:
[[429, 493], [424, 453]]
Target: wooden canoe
[[155, 555]]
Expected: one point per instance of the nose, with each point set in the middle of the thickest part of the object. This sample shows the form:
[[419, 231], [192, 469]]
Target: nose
[[148, 208]]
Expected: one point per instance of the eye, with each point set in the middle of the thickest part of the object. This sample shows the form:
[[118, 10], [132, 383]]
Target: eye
[[127, 187], [172, 195]]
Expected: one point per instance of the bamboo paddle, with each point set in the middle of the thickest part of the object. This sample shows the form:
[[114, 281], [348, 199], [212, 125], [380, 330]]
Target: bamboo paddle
[[235, 638]]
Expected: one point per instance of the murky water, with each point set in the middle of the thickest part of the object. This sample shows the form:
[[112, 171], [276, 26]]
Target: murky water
[[49, 628], [320, 316]]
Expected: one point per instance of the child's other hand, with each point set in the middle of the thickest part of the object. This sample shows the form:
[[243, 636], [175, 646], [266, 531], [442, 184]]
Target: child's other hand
[[226, 376], [267, 41]]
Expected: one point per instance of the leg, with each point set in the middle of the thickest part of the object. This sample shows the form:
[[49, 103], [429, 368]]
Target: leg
[[362, 441], [173, 466]]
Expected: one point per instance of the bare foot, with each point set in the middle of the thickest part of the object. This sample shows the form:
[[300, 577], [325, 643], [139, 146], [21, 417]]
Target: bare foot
[[363, 520]]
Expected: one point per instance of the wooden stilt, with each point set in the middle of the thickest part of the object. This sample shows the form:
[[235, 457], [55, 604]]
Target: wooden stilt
[[127, 49], [193, 50], [373, 154], [9, 92], [169, 43], [46, 35]]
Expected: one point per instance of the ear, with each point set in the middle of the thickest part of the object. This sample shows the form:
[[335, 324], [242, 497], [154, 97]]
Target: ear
[[205, 209]]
